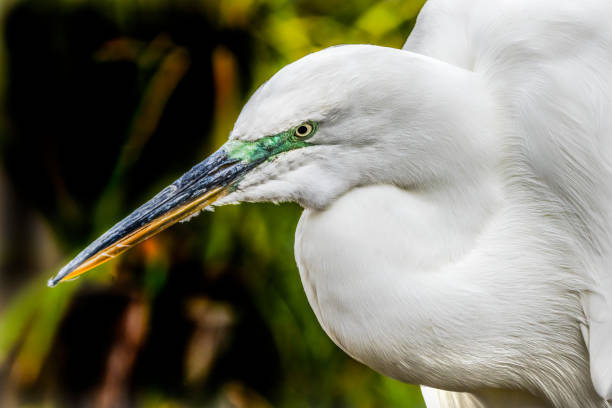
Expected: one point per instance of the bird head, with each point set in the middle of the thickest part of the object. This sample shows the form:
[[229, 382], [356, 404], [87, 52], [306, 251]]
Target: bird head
[[343, 117]]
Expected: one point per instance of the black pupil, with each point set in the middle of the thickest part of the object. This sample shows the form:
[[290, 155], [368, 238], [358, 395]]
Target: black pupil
[[302, 130]]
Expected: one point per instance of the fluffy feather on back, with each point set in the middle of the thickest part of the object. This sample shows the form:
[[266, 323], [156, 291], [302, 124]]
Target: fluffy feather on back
[[550, 66]]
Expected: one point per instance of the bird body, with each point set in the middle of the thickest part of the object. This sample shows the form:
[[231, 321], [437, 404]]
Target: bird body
[[436, 295], [457, 226]]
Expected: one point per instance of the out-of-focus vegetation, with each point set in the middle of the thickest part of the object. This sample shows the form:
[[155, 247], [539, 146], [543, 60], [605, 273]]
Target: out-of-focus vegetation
[[105, 102]]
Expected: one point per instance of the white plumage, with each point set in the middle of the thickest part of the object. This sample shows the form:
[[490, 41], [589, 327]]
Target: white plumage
[[458, 199]]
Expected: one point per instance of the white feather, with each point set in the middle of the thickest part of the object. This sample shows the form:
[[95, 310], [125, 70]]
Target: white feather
[[553, 69]]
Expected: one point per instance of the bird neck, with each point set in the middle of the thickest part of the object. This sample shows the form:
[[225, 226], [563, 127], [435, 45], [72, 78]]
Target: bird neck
[[376, 269], [423, 287]]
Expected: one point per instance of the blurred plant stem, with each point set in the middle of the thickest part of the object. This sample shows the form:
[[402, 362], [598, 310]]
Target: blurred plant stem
[[227, 98], [131, 333]]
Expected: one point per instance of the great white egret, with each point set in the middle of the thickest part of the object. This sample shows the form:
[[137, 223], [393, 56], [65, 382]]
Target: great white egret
[[457, 194]]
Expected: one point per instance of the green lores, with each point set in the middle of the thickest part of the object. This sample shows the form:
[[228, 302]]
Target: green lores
[[268, 147]]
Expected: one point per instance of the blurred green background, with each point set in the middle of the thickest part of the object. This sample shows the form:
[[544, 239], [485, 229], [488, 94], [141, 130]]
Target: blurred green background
[[102, 104]]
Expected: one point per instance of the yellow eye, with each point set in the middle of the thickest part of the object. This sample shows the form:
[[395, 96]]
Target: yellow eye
[[303, 130]]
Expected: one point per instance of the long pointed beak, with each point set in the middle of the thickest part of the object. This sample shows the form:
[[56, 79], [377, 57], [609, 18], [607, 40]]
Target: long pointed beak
[[197, 189]]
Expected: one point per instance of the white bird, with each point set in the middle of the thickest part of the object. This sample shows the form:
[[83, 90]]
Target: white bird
[[457, 194]]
